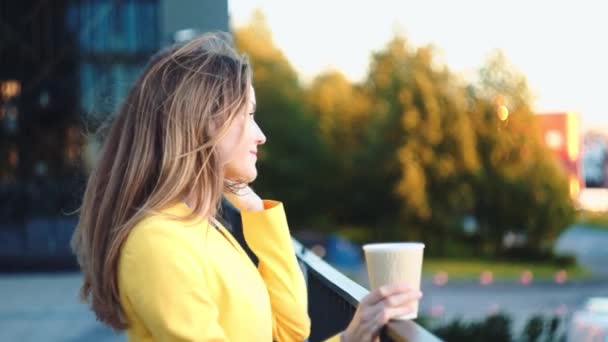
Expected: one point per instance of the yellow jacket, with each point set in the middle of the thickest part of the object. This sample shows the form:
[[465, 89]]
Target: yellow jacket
[[192, 282]]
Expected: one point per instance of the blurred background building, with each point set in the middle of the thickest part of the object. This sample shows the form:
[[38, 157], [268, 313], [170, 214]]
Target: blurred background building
[[595, 159], [64, 67], [583, 156], [561, 133]]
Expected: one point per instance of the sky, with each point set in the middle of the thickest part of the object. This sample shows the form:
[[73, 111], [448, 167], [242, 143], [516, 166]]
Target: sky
[[561, 46]]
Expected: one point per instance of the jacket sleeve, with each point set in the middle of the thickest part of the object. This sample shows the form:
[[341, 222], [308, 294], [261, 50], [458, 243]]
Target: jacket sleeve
[[267, 233], [166, 287]]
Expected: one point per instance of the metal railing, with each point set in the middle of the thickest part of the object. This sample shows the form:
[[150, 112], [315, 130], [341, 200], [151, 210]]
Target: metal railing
[[333, 299]]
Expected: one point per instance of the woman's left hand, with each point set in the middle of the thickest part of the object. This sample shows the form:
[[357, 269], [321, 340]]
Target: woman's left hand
[[245, 199]]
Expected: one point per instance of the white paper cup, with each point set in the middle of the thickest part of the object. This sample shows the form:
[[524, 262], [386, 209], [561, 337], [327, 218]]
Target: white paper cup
[[390, 263]]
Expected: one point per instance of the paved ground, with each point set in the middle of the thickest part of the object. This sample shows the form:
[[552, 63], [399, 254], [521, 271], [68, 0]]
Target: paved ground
[[472, 301], [45, 307], [590, 245]]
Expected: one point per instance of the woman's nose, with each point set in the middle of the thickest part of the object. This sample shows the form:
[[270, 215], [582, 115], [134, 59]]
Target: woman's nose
[[261, 137]]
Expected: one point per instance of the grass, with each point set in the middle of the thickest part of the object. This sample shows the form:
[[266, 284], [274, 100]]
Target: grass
[[502, 270]]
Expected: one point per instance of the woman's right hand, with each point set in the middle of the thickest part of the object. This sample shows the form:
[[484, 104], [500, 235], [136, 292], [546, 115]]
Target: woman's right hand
[[377, 308]]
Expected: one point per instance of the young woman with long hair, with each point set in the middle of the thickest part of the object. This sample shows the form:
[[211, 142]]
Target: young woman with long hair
[[156, 257]]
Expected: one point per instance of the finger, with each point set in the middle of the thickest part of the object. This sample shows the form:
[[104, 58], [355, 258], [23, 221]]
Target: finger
[[401, 299], [383, 292], [377, 315], [391, 313], [399, 304]]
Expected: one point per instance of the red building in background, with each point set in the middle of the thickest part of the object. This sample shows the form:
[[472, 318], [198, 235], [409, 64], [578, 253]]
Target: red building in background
[[561, 133]]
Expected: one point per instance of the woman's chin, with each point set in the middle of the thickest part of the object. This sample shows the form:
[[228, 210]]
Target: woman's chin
[[247, 178], [252, 177]]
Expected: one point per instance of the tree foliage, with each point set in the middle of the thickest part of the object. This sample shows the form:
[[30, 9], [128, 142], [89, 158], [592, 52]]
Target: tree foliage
[[410, 151]]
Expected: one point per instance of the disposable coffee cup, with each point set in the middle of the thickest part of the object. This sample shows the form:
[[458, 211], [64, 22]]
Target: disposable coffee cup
[[390, 263]]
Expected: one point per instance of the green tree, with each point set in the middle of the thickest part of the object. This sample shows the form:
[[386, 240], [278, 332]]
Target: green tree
[[389, 73], [342, 112], [519, 187], [421, 143], [439, 156]]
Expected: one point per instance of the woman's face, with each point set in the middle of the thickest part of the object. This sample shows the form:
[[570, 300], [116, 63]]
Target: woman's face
[[239, 147]]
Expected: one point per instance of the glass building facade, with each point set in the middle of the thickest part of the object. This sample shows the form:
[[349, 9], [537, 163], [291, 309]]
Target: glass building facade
[[65, 65], [115, 39]]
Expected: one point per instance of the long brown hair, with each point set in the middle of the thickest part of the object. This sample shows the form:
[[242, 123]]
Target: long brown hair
[[160, 149]]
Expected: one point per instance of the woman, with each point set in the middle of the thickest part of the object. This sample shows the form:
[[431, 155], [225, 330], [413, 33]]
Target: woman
[[155, 258]]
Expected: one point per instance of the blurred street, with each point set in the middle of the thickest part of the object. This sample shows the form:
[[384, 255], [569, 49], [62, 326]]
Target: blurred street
[[471, 301], [589, 246], [45, 307]]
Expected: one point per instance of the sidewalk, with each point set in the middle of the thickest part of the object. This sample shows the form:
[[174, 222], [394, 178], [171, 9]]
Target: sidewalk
[[45, 307]]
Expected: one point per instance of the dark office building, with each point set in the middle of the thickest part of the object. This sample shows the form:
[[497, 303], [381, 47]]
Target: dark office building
[[64, 66]]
